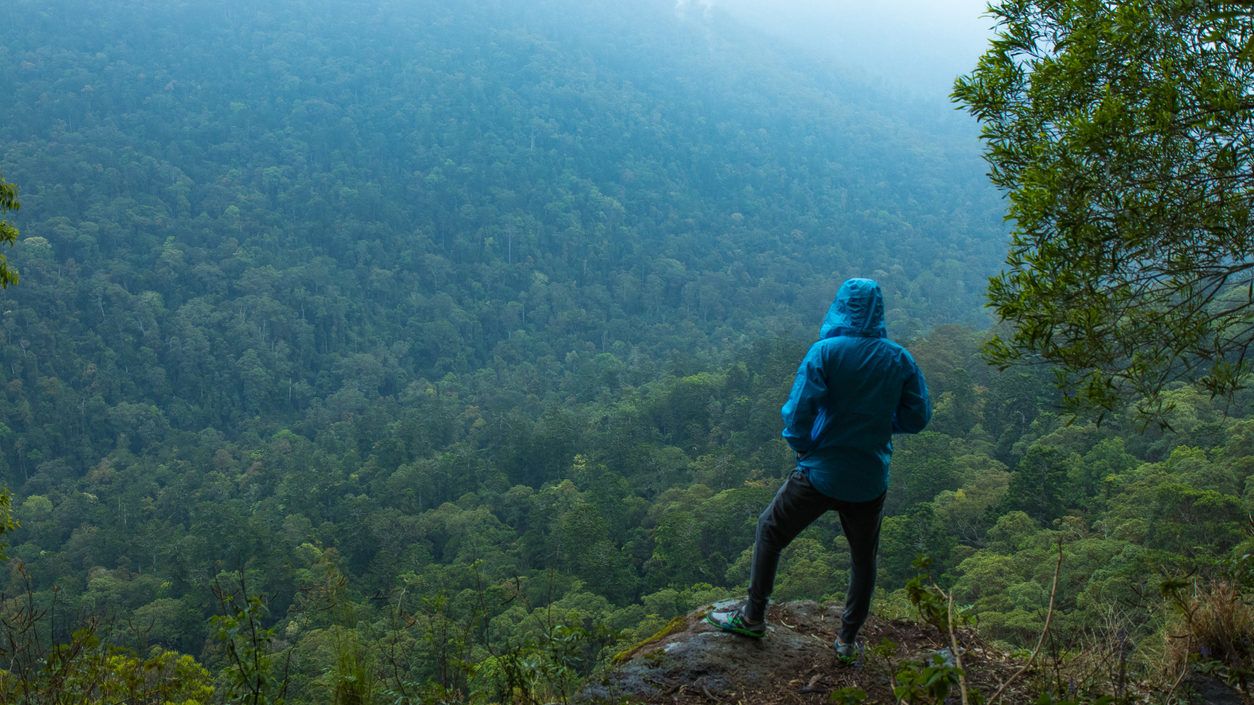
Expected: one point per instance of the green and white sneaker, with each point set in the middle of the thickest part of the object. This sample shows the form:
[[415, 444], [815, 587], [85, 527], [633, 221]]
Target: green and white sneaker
[[736, 623], [847, 654]]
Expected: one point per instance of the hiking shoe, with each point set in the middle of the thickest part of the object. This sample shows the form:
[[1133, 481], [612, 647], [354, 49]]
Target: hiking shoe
[[736, 623], [847, 654]]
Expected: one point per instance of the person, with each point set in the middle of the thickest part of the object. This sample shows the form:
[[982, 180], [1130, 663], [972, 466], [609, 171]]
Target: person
[[854, 389]]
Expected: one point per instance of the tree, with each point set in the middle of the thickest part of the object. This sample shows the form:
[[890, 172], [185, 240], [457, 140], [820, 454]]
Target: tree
[[1123, 133], [8, 231], [7, 522], [1039, 485], [8, 235]]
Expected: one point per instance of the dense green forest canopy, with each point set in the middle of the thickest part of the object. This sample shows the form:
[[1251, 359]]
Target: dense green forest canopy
[[443, 327], [359, 198]]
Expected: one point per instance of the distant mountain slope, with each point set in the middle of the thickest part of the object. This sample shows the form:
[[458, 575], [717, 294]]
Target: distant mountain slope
[[238, 211]]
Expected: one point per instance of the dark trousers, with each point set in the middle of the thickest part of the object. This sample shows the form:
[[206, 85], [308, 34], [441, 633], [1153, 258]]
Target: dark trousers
[[796, 506]]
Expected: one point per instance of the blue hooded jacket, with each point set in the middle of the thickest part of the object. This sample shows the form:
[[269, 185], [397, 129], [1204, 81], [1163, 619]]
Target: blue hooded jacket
[[854, 390]]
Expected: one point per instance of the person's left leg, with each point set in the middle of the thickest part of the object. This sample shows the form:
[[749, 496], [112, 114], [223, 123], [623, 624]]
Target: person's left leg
[[795, 506], [861, 523]]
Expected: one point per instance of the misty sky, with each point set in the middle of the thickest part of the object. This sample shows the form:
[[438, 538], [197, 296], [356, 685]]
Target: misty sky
[[918, 44]]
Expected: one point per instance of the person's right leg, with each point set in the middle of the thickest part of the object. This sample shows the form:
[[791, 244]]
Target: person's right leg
[[796, 505], [861, 523]]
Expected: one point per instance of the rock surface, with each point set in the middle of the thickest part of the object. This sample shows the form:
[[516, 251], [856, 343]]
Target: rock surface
[[693, 662]]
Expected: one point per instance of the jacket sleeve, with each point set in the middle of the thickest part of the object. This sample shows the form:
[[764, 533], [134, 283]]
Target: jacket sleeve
[[808, 389], [914, 411]]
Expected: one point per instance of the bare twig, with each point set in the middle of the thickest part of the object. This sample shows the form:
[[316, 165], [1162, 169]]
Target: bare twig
[[1049, 616], [1176, 684], [953, 644]]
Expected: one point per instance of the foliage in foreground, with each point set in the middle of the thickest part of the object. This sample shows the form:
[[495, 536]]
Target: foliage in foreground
[[1123, 134]]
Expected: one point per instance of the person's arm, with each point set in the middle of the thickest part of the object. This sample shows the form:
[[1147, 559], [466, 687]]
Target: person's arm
[[799, 412], [915, 408]]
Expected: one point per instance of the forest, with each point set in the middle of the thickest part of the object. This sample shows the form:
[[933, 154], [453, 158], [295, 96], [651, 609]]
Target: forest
[[399, 352]]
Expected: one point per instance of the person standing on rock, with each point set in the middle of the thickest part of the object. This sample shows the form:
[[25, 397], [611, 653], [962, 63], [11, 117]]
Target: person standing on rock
[[854, 389]]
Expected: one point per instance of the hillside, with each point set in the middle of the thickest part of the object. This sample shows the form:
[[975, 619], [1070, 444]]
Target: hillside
[[317, 214], [403, 239]]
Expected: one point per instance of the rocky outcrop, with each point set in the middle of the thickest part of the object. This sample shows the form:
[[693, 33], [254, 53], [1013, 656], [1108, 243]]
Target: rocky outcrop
[[692, 662]]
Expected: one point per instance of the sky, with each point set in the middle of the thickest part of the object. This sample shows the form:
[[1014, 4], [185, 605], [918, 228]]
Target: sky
[[919, 45]]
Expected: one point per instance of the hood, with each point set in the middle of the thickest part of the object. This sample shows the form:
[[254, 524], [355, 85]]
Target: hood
[[858, 311]]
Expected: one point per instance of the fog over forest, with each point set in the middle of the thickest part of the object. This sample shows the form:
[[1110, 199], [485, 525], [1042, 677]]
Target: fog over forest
[[916, 45]]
